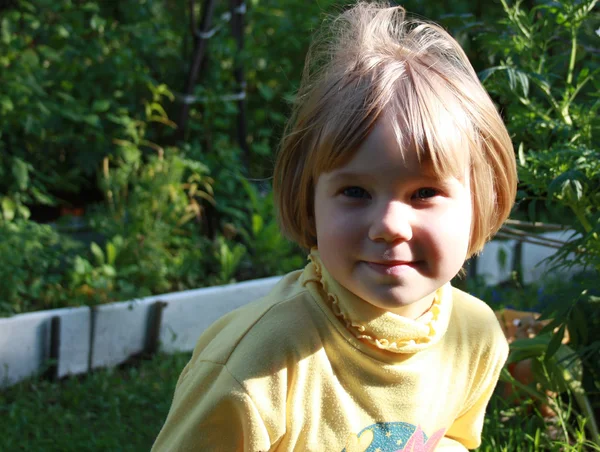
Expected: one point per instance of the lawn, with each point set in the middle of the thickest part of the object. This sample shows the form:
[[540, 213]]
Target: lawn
[[114, 410]]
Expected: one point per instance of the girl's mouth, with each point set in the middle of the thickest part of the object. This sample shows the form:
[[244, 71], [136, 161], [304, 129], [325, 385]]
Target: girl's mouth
[[392, 267]]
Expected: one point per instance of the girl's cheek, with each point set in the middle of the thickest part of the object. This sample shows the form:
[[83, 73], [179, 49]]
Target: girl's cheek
[[344, 221]]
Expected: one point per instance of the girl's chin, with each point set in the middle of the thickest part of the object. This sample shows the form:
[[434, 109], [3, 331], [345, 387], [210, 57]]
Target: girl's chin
[[404, 306]]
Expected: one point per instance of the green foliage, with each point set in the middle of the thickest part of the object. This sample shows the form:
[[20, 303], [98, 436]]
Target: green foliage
[[66, 67], [32, 269], [87, 108], [154, 208], [89, 91], [271, 73], [271, 253], [547, 86], [545, 80], [229, 258], [520, 428]]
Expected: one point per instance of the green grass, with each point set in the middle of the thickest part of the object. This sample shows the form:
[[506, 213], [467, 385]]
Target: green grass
[[123, 409], [521, 428], [113, 410]]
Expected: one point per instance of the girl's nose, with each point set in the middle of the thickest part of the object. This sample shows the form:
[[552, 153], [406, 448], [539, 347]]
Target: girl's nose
[[392, 223]]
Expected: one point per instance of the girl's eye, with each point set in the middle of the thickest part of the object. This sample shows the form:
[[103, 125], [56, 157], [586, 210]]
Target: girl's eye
[[355, 192], [426, 192]]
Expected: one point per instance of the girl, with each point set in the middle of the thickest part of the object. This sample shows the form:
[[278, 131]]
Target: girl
[[394, 169]]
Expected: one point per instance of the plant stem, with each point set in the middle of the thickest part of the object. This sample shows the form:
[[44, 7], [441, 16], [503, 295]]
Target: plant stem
[[536, 225], [573, 55], [588, 411], [564, 111], [582, 219]]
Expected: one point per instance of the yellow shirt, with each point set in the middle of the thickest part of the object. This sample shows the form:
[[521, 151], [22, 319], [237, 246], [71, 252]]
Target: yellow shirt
[[311, 367]]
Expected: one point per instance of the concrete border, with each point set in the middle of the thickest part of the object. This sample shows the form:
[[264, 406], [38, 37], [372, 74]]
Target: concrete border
[[185, 318], [107, 335]]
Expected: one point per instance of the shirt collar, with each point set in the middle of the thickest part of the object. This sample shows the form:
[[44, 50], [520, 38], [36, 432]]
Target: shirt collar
[[375, 326]]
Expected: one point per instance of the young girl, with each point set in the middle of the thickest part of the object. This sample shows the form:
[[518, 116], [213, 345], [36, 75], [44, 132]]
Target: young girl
[[394, 169]]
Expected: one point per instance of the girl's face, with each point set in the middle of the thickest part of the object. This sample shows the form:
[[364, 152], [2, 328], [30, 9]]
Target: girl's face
[[389, 230]]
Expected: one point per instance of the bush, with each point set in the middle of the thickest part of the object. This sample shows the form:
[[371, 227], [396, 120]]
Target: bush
[[544, 79], [66, 67], [33, 267]]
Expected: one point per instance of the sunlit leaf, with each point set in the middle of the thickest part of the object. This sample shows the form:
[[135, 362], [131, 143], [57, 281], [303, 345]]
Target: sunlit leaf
[[20, 171], [8, 208], [98, 253]]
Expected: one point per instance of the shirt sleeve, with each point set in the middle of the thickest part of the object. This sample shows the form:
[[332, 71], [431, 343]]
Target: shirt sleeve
[[211, 411], [466, 429]]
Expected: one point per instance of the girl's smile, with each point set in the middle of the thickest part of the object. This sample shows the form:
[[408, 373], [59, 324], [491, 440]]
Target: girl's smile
[[393, 268], [390, 230]]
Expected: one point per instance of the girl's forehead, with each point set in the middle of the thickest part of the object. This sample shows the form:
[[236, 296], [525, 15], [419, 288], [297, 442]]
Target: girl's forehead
[[390, 143]]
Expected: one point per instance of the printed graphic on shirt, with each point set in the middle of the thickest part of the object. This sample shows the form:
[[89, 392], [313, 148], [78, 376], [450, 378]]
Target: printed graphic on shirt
[[393, 437]]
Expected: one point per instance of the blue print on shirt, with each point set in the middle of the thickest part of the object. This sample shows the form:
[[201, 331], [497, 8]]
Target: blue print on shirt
[[393, 437]]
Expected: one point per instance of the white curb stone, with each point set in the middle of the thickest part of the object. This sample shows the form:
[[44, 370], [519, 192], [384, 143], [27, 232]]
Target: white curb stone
[[119, 331], [24, 345], [186, 316], [74, 349]]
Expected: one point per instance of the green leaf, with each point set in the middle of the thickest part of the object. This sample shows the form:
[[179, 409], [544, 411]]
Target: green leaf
[[118, 242], [62, 31], [91, 7], [567, 186], [48, 53], [41, 197], [583, 74], [111, 253], [6, 105], [8, 208], [485, 74], [80, 266], [131, 155], [98, 253], [23, 211], [522, 159], [100, 106], [109, 270], [5, 31], [257, 224], [266, 91], [516, 78], [92, 120], [97, 23], [20, 171]]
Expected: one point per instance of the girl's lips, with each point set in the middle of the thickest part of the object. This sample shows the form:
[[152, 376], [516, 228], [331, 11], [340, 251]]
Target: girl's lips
[[392, 267]]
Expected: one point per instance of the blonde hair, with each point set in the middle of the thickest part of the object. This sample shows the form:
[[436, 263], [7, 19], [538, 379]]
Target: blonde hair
[[372, 60]]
